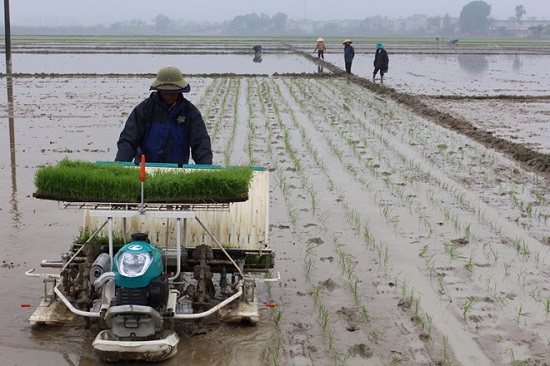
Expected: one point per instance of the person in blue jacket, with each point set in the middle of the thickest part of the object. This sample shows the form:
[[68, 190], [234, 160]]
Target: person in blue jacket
[[166, 127], [349, 54]]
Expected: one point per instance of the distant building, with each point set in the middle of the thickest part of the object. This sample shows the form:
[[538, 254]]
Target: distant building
[[521, 29]]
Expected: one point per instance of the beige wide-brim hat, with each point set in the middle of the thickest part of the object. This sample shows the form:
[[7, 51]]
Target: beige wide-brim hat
[[347, 41], [320, 39]]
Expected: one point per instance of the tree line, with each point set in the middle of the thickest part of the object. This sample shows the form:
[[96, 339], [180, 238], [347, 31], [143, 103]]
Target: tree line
[[474, 21]]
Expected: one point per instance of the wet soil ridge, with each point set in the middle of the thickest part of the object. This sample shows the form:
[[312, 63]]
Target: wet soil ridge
[[535, 161]]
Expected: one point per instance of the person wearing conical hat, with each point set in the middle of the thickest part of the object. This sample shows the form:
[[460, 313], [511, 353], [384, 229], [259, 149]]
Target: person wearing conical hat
[[381, 62], [349, 54], [166, 127], [320, 48]]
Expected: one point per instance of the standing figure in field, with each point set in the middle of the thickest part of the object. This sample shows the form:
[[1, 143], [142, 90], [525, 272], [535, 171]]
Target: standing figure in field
[[349, 54], [165, 127], [257, 50], [257, 53], [381, 62], [320, 48]]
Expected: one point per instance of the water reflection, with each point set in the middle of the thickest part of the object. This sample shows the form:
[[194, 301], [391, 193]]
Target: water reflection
[[473, 64], [320, 69], [257, 58], [517, 64], [16, 216]]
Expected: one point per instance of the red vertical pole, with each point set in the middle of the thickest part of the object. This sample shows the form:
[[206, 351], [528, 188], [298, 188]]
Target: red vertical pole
[[142, 170], [142, 178]]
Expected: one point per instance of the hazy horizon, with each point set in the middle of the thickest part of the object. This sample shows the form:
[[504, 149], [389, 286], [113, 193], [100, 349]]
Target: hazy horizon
[[87, 13]]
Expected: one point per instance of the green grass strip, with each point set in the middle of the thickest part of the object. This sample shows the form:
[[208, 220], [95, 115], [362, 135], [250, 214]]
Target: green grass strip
[[92, 182]]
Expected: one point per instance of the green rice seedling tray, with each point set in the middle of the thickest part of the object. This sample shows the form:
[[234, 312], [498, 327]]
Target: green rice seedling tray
[[81, 181]]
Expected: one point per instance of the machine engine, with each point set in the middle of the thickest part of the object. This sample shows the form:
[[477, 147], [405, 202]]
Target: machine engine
[[138, 275]]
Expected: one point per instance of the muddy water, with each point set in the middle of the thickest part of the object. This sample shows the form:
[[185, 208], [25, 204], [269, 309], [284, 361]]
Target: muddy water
[[268, 63], [459, 74], [431, 74], [81, 117]]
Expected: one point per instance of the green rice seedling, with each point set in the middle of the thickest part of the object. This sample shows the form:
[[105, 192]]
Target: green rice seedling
[[429, 325], [456, 224], [324, 318], [315, 294], [442, 291], [447, 359], [499, 299], [416, 304], [522, 278], [468, 231], [535, 294], [354, 286], [467, 307], [323, 219], [330, 341], [277, 316], [276, 349], [423, 221], [430, 262], [522, 248], [365, 314], [386, 257], [490, 252], [345, 360], [521, 315], [310, 246], [85, 236], [469, 265], [423, 253], [511, 354], [292, 213], [451, 250], [529, 209], [367, 236], [310, 265]]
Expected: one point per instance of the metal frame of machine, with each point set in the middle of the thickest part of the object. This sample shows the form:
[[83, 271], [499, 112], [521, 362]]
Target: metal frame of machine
[[133, 329]]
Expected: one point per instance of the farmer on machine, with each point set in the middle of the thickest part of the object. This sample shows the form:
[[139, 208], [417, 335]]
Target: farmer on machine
[[165, 127]]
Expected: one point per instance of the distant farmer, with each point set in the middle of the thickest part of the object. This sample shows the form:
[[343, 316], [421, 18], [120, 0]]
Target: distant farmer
[[165, 127], [381, 62], [349, 54], [320, 48], [257, 50]]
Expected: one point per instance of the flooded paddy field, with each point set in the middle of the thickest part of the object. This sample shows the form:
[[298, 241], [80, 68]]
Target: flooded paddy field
[[408, 230]]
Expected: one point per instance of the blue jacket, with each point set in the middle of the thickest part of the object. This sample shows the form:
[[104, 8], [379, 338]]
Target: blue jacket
[[165, 134], [349, 53]]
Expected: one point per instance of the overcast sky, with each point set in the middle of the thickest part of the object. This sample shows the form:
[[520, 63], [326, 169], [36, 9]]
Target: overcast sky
[[93, 12]]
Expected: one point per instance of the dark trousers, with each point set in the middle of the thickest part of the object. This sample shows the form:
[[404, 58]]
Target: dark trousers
[[348, 67], [321, 54], [376, 69]]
